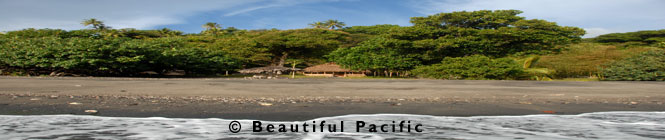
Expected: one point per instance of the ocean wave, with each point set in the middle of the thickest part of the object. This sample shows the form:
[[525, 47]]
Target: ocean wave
[[601, 125]]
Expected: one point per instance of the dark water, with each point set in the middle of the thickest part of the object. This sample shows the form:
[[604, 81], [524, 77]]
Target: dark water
[[601, 125]]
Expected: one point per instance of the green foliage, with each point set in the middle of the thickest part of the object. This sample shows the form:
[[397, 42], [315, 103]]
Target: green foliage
[[583, 60], [36, 33], [533, 73], [439, 37], [377, 54], [648, 66], [457, 45], [483, 19], [243, 48], [116, 56], [639, 38], [300, 43], [471, 67], [198, 60], [492, 33], [371, 30], [114, 33], [141, 34]]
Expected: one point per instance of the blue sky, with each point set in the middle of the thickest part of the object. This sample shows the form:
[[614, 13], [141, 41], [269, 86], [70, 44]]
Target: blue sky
[[596, 16]]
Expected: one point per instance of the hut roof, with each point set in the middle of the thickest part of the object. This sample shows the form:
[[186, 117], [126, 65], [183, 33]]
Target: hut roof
[[327, 67], [268, 69]]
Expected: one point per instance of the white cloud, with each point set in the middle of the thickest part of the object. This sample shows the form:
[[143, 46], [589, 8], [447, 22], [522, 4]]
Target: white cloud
[[594, 32], [608, 15], [141, 14], [247, 10]]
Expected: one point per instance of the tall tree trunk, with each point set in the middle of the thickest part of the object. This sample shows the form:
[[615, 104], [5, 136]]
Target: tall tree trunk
[[293, 70], [282, 59]]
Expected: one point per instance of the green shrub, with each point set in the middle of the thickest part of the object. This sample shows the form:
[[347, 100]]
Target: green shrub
[[661, 45], [648, 66], [198, 60], [531, 72], [648, 37], [471, 67], [113, 56]]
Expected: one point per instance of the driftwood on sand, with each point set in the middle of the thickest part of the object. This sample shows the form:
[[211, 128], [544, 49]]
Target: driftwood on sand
[[268, 70]]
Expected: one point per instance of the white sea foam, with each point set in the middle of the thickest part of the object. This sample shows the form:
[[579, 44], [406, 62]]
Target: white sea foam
[[602, 125]]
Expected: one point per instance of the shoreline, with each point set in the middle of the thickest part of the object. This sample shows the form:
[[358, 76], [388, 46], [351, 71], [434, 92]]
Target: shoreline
[[304, 99]]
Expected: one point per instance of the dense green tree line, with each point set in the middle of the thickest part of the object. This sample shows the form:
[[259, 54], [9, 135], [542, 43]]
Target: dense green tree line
[[128, 52], [111, 57], [654, 38], [434, 38], [649, 66], [481, 44], [471, 67]]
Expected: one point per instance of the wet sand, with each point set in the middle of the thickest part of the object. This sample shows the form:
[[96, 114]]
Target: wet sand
[[303, 99]]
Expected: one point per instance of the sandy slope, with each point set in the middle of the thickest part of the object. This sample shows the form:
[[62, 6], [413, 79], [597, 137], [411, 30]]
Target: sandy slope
[[310, 98]]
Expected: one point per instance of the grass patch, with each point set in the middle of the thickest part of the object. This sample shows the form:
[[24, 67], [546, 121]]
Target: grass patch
[[579, 79], [378, 77], [584, 59]]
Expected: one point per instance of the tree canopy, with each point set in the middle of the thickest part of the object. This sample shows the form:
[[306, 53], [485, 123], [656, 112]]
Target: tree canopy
[[300, 43], [491, 33], [653, 38], [378, 54], [383, 48]]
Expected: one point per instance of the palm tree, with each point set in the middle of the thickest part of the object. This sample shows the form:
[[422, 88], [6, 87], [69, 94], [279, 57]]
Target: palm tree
[[212, 28], [96, 24], [317, 24], [332, 24]]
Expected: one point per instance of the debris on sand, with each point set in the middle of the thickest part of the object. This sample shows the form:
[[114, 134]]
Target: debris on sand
[[397, 104], [74, 103], [35, 99], [525, 102], [91, 111], [53, 97], [265, 104], [549, 112], [634, 103]]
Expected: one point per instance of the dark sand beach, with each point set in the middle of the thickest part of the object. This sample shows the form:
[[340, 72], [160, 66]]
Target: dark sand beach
[[303, 99]]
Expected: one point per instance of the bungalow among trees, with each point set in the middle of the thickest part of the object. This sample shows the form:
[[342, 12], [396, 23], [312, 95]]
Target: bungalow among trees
[[332, 70], [267, 72]]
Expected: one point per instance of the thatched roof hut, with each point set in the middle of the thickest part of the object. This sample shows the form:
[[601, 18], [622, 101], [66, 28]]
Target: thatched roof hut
[[327, 67], [331, 70], [268, 69]]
